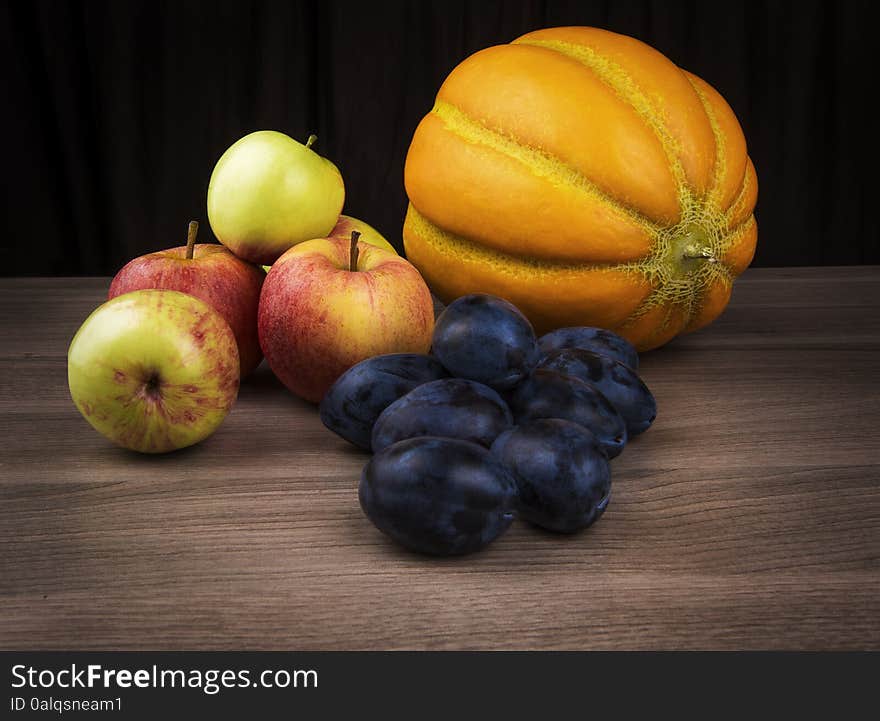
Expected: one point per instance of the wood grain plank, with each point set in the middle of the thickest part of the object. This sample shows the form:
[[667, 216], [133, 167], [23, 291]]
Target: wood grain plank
[[747, 517]]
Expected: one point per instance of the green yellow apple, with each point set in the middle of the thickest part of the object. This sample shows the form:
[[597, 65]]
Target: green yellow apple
[[269, 192], [154, 370], [329, 303]]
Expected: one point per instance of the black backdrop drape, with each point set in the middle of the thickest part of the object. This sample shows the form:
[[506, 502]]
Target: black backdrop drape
[[115, 112]]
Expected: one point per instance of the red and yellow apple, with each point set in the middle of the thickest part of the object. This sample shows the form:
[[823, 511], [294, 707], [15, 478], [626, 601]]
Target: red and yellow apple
[[212, 273], [329, 303], [268, 192], [368, 234], [154, 370]]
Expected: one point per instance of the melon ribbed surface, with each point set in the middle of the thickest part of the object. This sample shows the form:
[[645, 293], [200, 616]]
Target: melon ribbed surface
[[583, 176]]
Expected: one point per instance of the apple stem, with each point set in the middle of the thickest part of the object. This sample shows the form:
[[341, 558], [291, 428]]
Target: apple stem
[[311, 141], [191, 234], [354, 252]]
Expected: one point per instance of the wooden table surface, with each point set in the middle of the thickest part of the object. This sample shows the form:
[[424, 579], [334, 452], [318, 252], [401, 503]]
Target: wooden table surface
[[747, 517]]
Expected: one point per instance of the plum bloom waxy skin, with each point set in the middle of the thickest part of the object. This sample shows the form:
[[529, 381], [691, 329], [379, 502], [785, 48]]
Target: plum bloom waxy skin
[[154, 370]]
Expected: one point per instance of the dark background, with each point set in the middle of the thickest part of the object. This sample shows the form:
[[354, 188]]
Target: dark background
[[115, 112]]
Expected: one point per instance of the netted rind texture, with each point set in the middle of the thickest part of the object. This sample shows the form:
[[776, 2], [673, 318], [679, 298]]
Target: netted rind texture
[[586, 178]]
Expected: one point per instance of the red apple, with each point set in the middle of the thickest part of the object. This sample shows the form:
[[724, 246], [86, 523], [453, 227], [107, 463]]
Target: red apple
[[368, 234], [330, 303], [211, 273]]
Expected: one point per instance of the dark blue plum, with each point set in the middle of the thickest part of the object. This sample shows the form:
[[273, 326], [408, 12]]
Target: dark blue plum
[[355, 400], [438, 495], [597, 340], [619, 383], [485, 339], [562, 476], [449, 408], [547, 394]]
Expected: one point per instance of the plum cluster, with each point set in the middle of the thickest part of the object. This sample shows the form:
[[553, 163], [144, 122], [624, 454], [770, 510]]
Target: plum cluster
[[494, 424]]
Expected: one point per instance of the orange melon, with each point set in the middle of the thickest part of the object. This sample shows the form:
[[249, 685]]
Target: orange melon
[[583, 176]]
